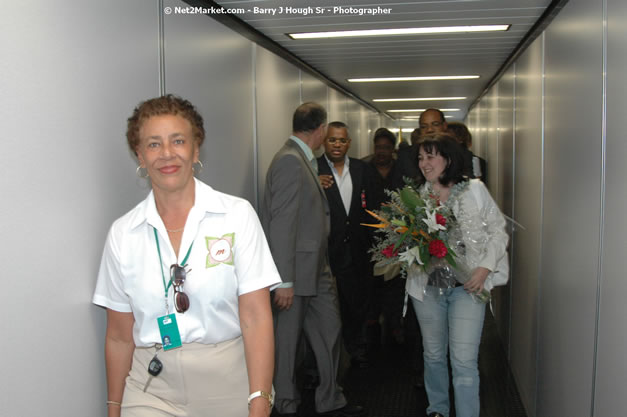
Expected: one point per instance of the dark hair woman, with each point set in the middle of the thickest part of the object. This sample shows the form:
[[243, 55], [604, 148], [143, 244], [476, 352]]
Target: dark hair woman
[[450, 318]]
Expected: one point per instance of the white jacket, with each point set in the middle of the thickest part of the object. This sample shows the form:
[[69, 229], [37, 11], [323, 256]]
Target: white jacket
[[483, 232]]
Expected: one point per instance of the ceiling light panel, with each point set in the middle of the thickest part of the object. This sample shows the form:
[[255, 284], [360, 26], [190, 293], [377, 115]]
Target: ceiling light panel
[[398, 31], [424, 78], [405, 129], [387, 100], [415, 110]]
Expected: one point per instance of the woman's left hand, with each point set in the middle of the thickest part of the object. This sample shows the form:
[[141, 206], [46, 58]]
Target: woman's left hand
[[475, 283]]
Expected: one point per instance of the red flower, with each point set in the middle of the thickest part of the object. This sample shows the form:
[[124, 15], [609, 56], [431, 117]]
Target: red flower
[[437, 248], [439, 219], [389, 252]]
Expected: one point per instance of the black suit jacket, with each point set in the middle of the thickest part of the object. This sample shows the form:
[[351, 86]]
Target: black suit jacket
[[349, 240], [469, 167], [407, 160]]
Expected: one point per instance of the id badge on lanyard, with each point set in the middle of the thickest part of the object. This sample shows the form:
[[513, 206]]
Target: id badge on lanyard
[[168, 327]]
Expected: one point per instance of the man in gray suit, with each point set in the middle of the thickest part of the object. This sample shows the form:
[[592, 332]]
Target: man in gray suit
[[295, 216]]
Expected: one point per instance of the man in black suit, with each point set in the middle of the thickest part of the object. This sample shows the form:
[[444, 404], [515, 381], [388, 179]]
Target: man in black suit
[[345, 183]]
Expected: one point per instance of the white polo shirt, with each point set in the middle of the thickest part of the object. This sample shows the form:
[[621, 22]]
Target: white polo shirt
[[229, 257]]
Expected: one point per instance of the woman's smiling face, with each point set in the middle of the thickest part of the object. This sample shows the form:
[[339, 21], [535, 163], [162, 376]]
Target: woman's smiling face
[[167, 149], [432, 165]]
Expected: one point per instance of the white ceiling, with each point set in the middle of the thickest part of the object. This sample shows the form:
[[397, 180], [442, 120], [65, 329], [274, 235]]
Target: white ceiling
[[388, 56]]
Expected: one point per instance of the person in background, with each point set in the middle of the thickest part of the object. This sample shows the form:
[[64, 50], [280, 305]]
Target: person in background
[[450, 319], [387, 298], [295, 216], [185, 279], [432, 121], [407, 155], [415, 136], [474, 166], [346, 186]]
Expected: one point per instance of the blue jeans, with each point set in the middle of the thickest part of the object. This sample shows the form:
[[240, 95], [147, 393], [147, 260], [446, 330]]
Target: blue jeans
[[454, 319]]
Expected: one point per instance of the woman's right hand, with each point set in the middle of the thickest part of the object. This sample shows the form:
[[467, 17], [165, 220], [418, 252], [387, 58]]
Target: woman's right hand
[[476, 281], [119, 347]]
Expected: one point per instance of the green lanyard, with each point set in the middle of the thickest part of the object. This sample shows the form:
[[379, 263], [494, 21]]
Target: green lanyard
[[167, 287]]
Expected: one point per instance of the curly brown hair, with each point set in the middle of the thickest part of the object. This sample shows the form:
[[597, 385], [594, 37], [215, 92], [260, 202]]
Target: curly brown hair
[[158, 106]]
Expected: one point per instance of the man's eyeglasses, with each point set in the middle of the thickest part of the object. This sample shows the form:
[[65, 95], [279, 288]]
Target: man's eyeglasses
[[343, 141], [177, 277]]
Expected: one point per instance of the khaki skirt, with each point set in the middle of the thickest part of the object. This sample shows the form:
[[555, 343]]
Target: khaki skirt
[[196, 380]]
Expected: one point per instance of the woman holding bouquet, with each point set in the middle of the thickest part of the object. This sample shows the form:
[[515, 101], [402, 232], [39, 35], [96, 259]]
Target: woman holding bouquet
[[451, 316]]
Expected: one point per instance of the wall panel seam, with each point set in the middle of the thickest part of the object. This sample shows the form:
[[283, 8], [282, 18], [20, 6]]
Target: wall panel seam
[[328, 106], [498, 146], [513, 211], [602, 206], [161, 43], [254, 122], [541, 220], [300, 86]]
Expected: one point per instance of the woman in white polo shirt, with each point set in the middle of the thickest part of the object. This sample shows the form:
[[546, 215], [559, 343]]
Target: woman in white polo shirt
[[185, 279]]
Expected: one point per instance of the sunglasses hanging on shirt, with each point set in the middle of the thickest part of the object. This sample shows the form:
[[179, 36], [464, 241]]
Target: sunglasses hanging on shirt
[[178, 274]]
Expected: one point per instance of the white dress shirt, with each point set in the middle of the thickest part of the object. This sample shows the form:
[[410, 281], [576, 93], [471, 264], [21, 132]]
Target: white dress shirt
[[230, 257], [344, 182]]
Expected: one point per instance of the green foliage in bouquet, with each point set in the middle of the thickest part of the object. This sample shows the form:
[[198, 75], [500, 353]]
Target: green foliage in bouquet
[[414, 227]]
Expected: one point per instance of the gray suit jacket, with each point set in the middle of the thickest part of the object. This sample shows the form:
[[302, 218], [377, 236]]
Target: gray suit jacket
[[295, 217]]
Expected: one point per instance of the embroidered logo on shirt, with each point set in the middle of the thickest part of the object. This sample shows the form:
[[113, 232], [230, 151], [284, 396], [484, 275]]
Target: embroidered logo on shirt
[[220, 250]]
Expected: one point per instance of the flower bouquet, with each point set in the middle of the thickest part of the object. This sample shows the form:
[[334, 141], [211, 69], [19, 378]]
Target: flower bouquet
[[417, 232]]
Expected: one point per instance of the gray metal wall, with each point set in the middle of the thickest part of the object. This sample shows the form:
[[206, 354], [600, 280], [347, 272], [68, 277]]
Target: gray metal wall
[[567, 331], [503, 172], [527, 244], [611, 370], [479, 146], [192, 65], [572, 209], [353, 119], [491, 140], [70, 75], [312, 89], [278, 94], [66, 175]]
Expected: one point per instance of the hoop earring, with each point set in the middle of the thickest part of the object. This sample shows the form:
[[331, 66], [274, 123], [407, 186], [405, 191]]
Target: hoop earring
[[138, 172], [201, 167]]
